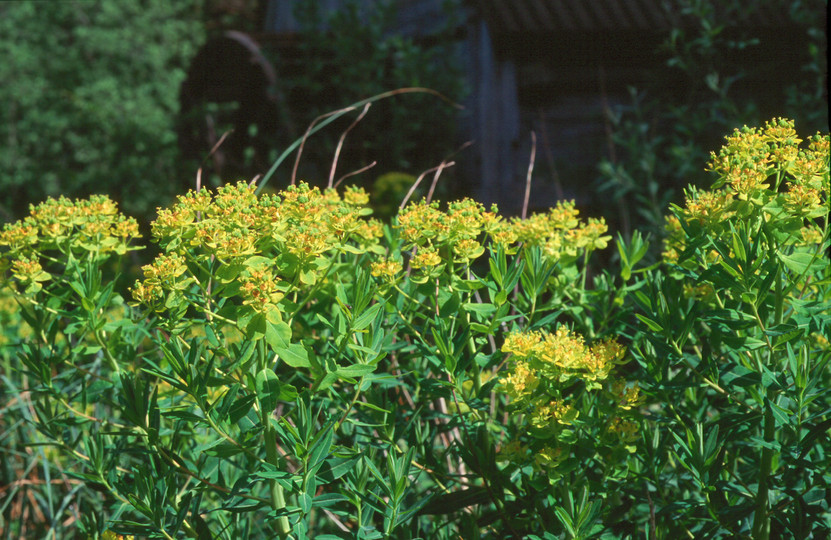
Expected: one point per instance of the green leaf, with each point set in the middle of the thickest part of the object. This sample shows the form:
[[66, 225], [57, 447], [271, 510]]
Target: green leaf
[[355, 370], [741, 376], [565, 519], [228, 273], [186, 416], [329, 499], [257, 327], [468, 284], [372, 406], [258, 262], [500, 298], [780, 415], [366, 318], [326, 381], [449, 503], [268, 389], [308, 277], [799, 262], [320, 447], [240, 408], [223, 450], [278, 335], [654, 326], [335, 467], [271, 472], [211, 335], [483, 309]]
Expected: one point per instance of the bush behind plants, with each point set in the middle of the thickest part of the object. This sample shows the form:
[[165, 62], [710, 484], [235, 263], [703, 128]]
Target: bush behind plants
[[90, 90], [289, 367]]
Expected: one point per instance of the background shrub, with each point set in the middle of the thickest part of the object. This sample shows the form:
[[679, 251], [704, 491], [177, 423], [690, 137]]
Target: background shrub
[[90, 96]]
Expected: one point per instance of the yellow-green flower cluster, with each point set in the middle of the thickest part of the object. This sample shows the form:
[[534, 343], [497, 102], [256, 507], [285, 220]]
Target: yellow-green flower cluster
[[559, 232], [559, 357], [627, 396], [386, 269], [458, 231], [426, 257], [625, 429], [765, 173], [547, 457], [540, 386], [260, 289], [465, 226], [548, 415], [521, 382], [29, 273], [297, 231], [90, 226], [514, 451], [89, 229], [162, 276], [234, 223]]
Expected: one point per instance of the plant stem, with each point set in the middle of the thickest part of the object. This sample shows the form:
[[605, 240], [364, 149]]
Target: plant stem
[[761, 519], [278, 498], [106, 350]]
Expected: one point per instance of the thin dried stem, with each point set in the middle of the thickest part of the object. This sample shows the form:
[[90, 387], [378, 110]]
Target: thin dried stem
[[325, 119], [528, 176], [354, 107], [306, 136], [353, 173], [415, 186], [340, 143], [445, 163], [214, 148], [218, 144], [442, 166]]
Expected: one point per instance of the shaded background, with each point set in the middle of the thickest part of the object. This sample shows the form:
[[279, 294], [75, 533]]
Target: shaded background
[[626, 97]]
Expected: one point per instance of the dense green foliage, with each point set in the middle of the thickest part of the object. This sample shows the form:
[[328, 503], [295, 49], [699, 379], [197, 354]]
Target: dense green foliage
[[289, 368], [89, 99]]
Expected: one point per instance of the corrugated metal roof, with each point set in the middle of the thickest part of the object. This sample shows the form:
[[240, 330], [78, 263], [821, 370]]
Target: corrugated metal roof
[[539, 16], [535, 16]]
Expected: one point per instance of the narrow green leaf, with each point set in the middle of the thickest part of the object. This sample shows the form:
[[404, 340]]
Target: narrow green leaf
[[365, 319], [565, 519], [335, 467], [185, 416], [780, 415], [484, 309], [654, 326], [320, 447]]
